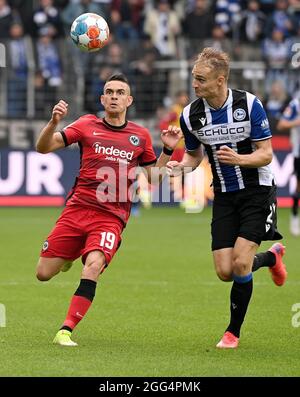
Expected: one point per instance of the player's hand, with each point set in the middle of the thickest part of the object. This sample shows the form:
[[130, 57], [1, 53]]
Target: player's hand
[[226, 155], [171, 136], [59, 111], [174, 168]]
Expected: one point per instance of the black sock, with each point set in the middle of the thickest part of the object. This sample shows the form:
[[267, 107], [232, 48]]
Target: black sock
[[87, 289], [263, 259], [66, 328], [240, 296], [295, 204]]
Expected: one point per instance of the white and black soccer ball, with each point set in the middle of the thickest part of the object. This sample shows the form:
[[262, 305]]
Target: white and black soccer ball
[[90, 32]]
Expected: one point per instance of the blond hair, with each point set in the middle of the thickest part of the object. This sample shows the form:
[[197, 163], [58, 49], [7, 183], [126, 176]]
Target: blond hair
[[216, 60]]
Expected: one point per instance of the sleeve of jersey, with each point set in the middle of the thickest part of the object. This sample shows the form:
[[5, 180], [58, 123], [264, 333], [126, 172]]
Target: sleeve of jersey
[[260, 129], [72, 133], [290, 112], [148, 157], [191, 142]]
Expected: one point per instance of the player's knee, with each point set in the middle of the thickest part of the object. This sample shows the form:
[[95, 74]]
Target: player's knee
[[240, 266], [224, 276], [42, 275]]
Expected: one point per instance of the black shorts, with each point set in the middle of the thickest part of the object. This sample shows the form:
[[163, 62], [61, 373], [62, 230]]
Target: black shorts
[[249, 213], [297, 167]]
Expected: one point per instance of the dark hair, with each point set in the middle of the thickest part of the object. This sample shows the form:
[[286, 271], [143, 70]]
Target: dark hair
[[118, 77]]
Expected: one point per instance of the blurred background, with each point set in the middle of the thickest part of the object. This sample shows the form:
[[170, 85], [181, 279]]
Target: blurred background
[[154, 43], [160, 310]]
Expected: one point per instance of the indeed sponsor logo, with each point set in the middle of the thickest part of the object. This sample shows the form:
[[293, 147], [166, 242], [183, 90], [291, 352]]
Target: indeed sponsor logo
[[112, 151], [222, 130]]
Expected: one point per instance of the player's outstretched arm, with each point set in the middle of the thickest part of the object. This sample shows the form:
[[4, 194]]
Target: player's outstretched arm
[[170, 138], [189, 162], [50, 140]]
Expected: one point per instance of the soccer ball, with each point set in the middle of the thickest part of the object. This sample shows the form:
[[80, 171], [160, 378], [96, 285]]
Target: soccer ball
[[90, 32]]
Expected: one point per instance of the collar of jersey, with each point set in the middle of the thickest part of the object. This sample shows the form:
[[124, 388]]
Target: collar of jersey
[[114, 127], [228, 100]]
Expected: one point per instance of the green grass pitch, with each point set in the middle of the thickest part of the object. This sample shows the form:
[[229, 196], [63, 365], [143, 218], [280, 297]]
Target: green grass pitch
[[159, 309]]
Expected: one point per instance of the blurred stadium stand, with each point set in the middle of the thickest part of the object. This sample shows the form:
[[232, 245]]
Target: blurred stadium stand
[[153, 42]]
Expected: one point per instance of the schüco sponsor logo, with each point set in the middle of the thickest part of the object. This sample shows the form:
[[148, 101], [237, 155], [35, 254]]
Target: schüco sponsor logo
[[112, 151], [223, 130]]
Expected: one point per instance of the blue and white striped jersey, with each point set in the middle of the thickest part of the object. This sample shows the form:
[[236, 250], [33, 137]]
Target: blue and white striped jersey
[[291, 113], [239, 123]]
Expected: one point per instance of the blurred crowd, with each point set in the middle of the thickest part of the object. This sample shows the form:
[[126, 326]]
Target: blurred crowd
[[142, 33]]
